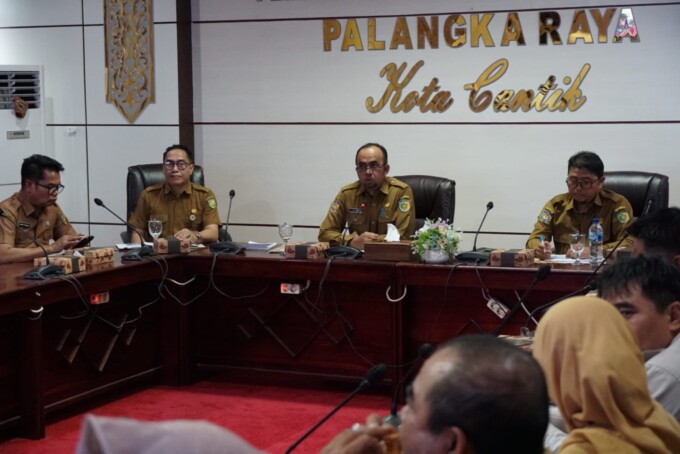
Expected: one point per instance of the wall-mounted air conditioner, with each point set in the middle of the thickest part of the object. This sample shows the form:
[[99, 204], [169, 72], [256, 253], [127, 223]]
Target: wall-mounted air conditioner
[[21, 92]]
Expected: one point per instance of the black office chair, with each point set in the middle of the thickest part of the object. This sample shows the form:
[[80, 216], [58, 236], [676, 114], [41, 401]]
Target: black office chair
[[646, 192], [435, 197], [140, 177]]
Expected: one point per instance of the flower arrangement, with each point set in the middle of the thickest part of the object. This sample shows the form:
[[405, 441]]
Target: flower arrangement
[[436, 235]]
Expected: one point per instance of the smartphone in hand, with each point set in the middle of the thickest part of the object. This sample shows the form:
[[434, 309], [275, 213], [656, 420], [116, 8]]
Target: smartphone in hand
[[84, 242]]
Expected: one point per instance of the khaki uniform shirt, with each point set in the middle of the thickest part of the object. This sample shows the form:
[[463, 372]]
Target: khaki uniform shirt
[[392, 204], [193, 209], [559, 218], [50, 223]]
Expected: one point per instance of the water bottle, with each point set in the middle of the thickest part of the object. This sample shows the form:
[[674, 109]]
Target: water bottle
[[595, 235]]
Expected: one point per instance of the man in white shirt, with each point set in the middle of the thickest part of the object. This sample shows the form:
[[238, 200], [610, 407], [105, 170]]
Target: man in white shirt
[[646, 290]]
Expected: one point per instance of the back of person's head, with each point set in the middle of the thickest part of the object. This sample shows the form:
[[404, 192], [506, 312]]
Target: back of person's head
[[589, 161], [373, 144], [659, 232], [657, 279], [498, 397], [184, 148], [34, 167]]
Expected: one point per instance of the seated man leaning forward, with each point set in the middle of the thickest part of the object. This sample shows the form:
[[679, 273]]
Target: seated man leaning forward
[[475, 394], [362, 210], [34, 209], [658, 234], [187, 210], [646, 290], [575, 210]]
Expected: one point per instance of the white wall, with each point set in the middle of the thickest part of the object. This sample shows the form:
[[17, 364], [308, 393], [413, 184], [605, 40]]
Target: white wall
[[67, 38], [278, 119]]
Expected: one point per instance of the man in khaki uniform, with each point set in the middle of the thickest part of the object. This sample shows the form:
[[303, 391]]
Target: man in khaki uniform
[[369, 204], [34, 208], [574, 211], [187, 210]]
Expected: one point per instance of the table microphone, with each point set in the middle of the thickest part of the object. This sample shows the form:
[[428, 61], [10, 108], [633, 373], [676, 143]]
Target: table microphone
[[135, 254], [541, 274], [227, 237], [480, 256], [374, 375], [393, 419], [46, 271]]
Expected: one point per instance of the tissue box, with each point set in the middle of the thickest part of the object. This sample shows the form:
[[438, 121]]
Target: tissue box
[[71, 264], [305, 250], [171, 246], [512, 257], [97, 256], [397, 251]]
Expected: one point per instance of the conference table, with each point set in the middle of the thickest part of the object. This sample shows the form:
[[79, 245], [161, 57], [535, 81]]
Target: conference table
[[175, 319]]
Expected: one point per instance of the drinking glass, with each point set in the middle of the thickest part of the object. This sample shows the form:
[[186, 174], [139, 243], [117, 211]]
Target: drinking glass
[[155, 227], [576, 240], [285, 232]]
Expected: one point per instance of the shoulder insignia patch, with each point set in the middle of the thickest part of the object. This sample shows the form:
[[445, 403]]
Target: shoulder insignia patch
[[335, 206], [212, 203], [64, 219], [404, 205], [545, 217], [623, 217]]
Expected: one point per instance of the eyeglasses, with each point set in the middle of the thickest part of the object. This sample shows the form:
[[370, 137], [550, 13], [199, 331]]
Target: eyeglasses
[[585, 184], [170, 164], [52, 190], [372, 166]]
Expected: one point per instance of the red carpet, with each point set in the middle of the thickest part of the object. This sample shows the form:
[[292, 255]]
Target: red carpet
[[271, 418]]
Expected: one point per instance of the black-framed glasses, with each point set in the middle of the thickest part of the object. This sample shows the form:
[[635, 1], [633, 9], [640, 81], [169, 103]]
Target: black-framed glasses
[[372, 166], [52, 190], [585, 183], [170, 164]]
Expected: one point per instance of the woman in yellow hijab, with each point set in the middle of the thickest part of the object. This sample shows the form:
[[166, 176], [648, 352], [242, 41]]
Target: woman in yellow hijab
[[596, 376]]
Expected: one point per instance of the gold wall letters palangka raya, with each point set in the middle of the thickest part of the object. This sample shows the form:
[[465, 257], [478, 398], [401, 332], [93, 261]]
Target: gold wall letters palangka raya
[[364, 34]]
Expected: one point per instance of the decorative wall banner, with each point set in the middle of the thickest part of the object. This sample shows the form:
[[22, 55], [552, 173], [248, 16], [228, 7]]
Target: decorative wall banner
[[128, 31]]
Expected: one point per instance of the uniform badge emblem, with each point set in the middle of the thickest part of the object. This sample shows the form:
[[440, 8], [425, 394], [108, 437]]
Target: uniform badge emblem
[[404, 205], [335, 206], [212, 203], [622, 217], [545, 217], [192, 218]]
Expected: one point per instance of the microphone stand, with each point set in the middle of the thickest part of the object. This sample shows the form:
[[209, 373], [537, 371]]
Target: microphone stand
[[227, 236], [374, 374], [393, 419], [42, 272], [481, 256], [135, 254]]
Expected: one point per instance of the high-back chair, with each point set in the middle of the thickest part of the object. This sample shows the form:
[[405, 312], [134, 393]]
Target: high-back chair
[[140, 177], [646, 192], [435, 197]]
